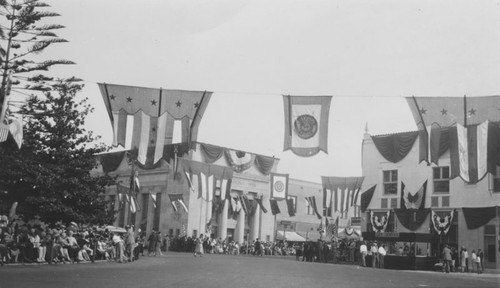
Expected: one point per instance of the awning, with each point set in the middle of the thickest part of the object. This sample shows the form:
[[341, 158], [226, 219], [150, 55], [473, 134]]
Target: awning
[[290, 236], [310, 236]]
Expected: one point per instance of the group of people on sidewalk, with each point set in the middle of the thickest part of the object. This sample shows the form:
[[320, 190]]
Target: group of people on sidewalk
[[460, 261]]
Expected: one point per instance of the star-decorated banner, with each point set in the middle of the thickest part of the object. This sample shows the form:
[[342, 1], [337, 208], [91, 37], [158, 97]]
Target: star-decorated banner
[[306, 124], [150, 114], [207, 174], [447, 111]]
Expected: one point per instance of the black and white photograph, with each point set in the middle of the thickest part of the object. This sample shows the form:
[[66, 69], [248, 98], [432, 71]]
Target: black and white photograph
[[232, 143]]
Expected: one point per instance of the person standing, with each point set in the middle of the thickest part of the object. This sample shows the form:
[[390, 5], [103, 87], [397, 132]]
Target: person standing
[[363, 250], [447, 258], [465, 260], [473, 257], [129, 243], [381, 256], [158, 244], [480, 255], [198, 250], [374, 250], [152, 243]]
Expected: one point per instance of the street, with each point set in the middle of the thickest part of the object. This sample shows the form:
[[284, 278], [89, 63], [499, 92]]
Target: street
[[184, 270]]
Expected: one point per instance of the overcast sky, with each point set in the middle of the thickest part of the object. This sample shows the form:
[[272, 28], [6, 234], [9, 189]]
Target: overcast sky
[[367, 54]]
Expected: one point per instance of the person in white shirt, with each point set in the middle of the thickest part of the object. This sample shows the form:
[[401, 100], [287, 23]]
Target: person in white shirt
[[374, 250], [363, 251], [381, 256]]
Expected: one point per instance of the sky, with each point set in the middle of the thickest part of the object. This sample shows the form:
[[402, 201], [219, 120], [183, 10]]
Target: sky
[[368, 55]]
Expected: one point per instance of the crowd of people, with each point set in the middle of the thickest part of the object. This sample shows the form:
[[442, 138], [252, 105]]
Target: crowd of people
[[455, 260]]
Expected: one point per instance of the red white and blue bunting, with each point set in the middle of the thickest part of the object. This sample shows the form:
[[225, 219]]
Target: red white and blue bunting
[[442, 225], [379, 224]]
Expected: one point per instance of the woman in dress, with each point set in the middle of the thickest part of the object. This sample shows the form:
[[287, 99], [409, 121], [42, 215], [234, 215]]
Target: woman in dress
[[198, 250]]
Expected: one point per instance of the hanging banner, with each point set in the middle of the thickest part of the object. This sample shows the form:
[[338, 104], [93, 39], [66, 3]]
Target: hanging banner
[[442, 225], [306, 124], [279, 186], [379, 223]]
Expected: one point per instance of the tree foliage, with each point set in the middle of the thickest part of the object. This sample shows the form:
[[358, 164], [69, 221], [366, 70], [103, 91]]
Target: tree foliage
[[50, 176]]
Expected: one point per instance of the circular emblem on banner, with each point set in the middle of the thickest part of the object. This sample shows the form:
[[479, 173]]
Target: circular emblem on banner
[[306, 126], [279, 186]]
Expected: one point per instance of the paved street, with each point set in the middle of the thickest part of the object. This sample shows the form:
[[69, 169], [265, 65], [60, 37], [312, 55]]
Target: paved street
[[183, 270]]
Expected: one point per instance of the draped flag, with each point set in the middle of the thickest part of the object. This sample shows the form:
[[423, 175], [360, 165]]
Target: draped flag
[[151, 114], [306, 124], [469, 152], [312, 202], [261, 204], [279, 186], [340, 193], [245, 204], [379, 222], [290, 203], [447, 111], [442, 225], [413, 201], [207, 174], [177, 199], [275, 209]]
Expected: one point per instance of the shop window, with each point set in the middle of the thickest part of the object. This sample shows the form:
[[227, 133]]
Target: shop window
[[383, 203], [445, 201], [441, 177], [434, 201], [390, 181]]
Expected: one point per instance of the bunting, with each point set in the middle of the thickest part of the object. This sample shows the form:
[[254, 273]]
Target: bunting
[[413, 201], [340, 193], [306, 124], [442, 225], [177, 199], [275, 209], [279, 186], [312, 202], [153, 198], [207, 174], [379, 224], [151, 114], [261, 204], [290, 203], [366, 198]]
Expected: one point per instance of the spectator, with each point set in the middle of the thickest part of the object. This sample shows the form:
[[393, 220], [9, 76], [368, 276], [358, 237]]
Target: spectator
[[381, 256]]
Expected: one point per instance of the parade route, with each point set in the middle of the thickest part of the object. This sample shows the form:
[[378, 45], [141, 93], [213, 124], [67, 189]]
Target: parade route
[[184, 270]]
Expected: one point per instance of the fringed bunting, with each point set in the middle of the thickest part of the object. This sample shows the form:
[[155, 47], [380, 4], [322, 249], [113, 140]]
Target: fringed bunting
[[411, 219], [395, 147], [442, 225]]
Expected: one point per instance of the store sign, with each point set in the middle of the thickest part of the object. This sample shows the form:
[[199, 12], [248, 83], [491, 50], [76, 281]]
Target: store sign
[[387, 234], [355, 221]]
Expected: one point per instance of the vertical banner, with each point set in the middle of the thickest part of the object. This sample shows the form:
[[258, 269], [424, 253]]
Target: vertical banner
[[306, 124], [279, 186]]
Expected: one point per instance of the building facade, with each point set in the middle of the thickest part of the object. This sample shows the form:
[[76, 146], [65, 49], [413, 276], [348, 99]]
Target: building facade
[[443, 196]]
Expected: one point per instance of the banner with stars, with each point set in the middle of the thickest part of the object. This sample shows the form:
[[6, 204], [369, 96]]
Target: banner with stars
[[150, 115], [306, 124]]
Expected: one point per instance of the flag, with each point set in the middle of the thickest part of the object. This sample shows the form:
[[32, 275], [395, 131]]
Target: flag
[[332, 228], [379, 221], [153, 197], [245, 204], [133, 204], [4, 132], [312, 201], [275, 209], [469, 152], [290, 203], [150, 114], [306, 124], [207, 174], [448, 111], [344, 192], [259, 201], [177, 199], [279, 186], [16, 129], [413, 201], [327, 202]]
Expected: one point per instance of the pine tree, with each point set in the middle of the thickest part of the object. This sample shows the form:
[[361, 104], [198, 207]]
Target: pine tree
[[51, 175], [24, 34]]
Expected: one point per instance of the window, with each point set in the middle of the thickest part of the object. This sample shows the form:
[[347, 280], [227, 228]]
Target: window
[[390, 181], [309, 209], [394, 203], [434, 201], [383, 203], [445, 201], [441, 177], [496, 180]]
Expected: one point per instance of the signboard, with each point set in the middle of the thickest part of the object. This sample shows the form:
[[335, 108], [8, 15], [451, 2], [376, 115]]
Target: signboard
[[387, 234], [355, 221]]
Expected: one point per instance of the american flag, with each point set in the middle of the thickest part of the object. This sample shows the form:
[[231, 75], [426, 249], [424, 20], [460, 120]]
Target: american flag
[[4, 132]]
